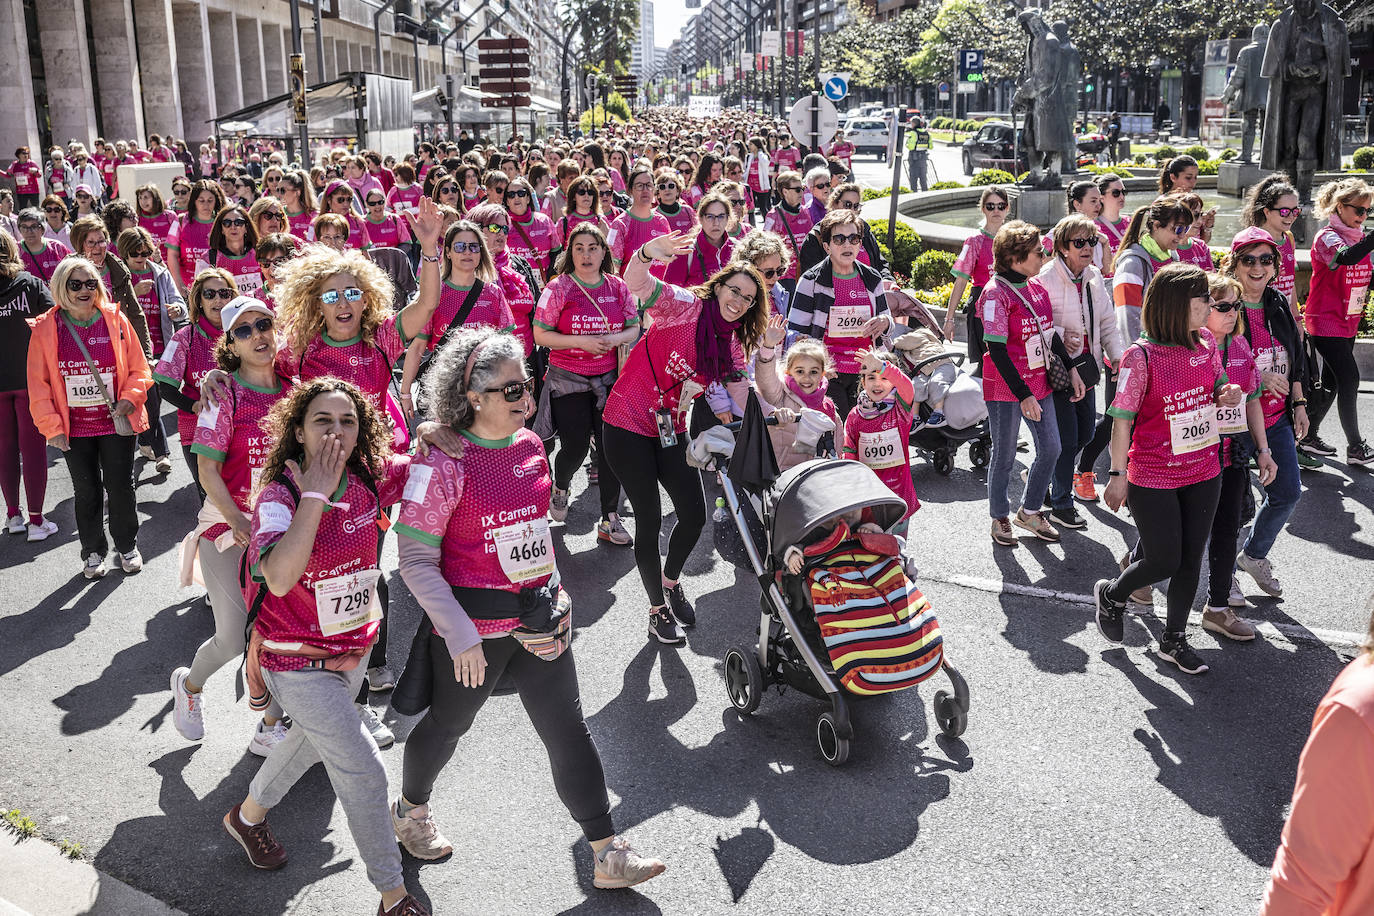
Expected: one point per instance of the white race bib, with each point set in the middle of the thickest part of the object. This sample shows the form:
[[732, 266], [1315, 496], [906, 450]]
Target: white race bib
[[1272, 359], [345, 603], [1231, 420], [1035, 352], [525, 550], [1193, 430], [882, 449], [82, 391], [248, 284], [848, 320], [1356, 304]]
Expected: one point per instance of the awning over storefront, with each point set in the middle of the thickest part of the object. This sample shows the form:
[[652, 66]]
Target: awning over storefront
[[371, 108]]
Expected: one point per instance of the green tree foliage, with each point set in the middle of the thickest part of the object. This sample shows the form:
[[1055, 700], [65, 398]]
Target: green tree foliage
[[969, 24], [907, 241], [874, 53], [608, 28]]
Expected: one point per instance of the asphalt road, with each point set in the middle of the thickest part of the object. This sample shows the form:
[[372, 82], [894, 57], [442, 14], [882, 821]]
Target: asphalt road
[[1090, 779]]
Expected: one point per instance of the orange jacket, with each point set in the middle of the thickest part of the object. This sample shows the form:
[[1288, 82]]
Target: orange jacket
[[48, 393]]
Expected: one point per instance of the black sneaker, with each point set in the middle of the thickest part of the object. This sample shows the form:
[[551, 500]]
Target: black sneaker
[[1359, 453], [1068, 517], [1109, 622], [682, 608], [1174, 647], [1317, 446], [664, 627]]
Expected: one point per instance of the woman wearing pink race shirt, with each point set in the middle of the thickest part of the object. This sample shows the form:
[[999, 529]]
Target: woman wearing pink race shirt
[[531, 232], [39, 255], [232, 245], [640, 223], [1111, 220], [1341, 271], [513, 276], [1272, 205], [27, 177], [758, 176], [338, 199], [189, 240], [668, 186], [712, 248], [1165, 456], [298, 199], [154, 215], [55, 222], [384, 230], [404, 196], [584, 206], [973, 269]]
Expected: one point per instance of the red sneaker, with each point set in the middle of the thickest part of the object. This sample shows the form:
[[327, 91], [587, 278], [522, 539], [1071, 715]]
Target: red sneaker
[[1085, 486], [262, 847]]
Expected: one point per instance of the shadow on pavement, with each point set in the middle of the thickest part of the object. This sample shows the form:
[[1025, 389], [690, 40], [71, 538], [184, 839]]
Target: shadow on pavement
[[49, 625]]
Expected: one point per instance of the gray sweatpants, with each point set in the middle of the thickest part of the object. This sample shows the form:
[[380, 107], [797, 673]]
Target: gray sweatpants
[[325, 727], [221, 573]]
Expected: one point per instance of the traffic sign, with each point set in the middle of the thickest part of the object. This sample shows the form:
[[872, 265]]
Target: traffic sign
[[827, 120], [507, 101], [504, 88], [835, 85], [967, 87], [944, 87], [503, 44], [968, 63]]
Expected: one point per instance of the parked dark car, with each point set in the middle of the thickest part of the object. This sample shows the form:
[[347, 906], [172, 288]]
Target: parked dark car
[[992, 148]]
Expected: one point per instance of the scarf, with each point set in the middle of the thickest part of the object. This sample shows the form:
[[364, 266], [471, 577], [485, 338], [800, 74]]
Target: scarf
[[869, 408], [512, 284], [714, 362], [1348, 235], [815, 400], [1159, 254]]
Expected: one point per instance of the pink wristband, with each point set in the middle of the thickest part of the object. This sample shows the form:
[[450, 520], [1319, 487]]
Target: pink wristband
[[311, 494]]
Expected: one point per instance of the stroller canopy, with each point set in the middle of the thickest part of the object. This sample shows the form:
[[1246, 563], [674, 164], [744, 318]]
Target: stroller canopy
[[813, 491]]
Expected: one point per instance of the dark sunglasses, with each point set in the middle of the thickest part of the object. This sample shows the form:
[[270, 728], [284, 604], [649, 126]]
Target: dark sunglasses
[[823, 185], [518, 193], [791, 187], [991, 207], [144, 253], [470, 247], [1359, 211], [272, 214], [244, 331], [499, 189], [584, 192], [841, 238], [207, 294], [376, 203], [1286, 212], [237, 222], [607, 195], [182, 192], [1084, 243], [350, 294], [494, 228], [53, 210], [449, 189], [76, 286], [1117, 192], [736, 202], [771, 272], [1250, 260], [514, 391], [1225, 307], [1182, 228], [667, 186]]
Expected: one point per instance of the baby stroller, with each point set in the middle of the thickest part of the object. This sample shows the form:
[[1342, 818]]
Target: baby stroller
[[792, 649], [965, 411]]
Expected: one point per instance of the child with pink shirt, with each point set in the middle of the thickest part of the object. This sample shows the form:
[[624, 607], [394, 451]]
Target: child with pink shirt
[[877, 431]]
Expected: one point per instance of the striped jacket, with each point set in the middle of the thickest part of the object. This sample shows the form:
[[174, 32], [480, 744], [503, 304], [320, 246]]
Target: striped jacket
[[808, 312]]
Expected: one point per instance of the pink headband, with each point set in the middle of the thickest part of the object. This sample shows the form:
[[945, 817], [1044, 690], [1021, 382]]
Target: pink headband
[[472, 358]]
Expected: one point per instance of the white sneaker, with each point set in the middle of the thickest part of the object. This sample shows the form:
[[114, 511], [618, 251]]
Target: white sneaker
[[95, 566], [42, 532], [1237, 596], [146, 451], [164, 464], [266, 737], [188, 709], [375, 726], [131, 562], [15, 524], [1262, 571]]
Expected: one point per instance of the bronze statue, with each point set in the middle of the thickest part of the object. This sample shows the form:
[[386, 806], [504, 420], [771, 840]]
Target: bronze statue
[[1247, 91], [1047, 101], [1306, 61]]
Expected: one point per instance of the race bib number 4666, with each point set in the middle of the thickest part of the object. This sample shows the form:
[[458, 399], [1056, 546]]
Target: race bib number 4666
[[525, 550]]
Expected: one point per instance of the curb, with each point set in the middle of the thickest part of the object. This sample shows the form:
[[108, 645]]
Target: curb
[[38, 880]]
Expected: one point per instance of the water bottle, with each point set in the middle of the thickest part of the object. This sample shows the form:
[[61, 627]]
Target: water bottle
[[721, 515]]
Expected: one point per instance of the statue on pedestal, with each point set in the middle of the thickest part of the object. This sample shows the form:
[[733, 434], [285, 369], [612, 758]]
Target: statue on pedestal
[[1046, 100], [1248, 90], [1306, 61]]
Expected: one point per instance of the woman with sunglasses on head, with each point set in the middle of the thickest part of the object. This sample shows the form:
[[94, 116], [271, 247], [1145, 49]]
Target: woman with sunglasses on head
[[790, 220], [696, 338], [231, 448], [155, 216], [532, 233], [163, 311], [638, 224], [232, 245], [1085, 319], [55, 225], [973, 269], [23, 296], [668, 186], [1272, 205], [1341, 273], [40, 255], [82, 336], [298, 200], [712, 248], [584, 315], [487, 591], [1164, 454], [189, 241]]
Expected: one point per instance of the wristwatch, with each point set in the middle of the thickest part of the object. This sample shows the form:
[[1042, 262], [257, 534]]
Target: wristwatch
[[1116, 473], [431, 258]]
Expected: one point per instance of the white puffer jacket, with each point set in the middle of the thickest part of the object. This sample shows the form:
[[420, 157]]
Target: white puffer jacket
[[1071, 312]]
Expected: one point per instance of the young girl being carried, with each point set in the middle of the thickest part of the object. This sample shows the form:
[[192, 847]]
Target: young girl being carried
[[800, 383], [878, 430]]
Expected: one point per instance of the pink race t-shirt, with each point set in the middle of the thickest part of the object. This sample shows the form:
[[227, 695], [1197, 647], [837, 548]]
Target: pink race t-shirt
[[881, 443], [231, 432], [388, 232], [160, 226], [343, 564], [629, 233], [1008, 318], [491, 309], [1269, 356], [42, 265], [487, 512], [299, 224], [404, 200], [975, 260], [151, 305], [243, 268], [1286, 281], [700, 264], [1170, 394], [844, 328], [532, 240], [1239, 364], [520, 301], [1114, 233], [1197, 253], [1337, 297], [794, 228], [568, 307], [87, 412], [190, 240], [189, 357], [679, 219]]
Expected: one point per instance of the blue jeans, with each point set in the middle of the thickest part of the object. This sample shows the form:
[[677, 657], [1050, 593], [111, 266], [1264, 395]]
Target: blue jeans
[[1281, 496], [1077, 422], [1004, 422]]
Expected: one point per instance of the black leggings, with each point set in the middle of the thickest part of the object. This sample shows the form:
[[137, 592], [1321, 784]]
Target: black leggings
[[642, 463], [1221, 549], [578, 423], [155, 437], [549, 693], [102, 469], [844, 391], [1102, 436], [193, 464], [1343, 374], [1173, 525], [763, 202]]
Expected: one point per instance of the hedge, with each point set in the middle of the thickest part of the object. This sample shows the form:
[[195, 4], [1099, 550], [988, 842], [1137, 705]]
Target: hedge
[[907, 241], [1364, 158], [875, 193], [1198, 152], [1163, 153], [947, 185], [992, 176], [932, 269]]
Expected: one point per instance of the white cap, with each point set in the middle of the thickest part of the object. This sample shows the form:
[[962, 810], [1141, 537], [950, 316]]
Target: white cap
[[240, 306]]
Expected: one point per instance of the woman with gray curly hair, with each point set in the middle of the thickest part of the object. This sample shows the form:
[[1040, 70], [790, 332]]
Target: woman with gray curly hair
[[476, 552]]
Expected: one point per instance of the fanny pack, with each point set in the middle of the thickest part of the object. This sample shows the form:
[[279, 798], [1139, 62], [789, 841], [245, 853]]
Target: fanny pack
[[545, 615]]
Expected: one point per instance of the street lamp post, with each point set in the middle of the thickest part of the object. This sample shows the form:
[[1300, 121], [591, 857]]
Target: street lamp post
[[297, 51]]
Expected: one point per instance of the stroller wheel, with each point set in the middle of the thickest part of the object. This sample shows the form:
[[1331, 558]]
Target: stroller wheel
[[979, 453], [834, 749], [743, 679], [943, 460], [951, 719]]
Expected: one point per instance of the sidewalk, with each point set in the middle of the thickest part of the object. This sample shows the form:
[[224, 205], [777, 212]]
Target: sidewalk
[[38, 880]]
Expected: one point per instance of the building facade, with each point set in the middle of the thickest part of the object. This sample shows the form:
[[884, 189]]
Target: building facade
[[642, 59]]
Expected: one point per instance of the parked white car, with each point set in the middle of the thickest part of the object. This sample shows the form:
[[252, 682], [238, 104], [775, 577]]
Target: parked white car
[[869, 135]]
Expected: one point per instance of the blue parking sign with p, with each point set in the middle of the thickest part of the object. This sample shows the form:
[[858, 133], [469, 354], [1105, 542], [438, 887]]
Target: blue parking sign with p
[[970, 62]]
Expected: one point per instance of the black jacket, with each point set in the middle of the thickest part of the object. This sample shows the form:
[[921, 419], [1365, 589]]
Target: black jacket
[[813, 252], [23, 297], [1279, 321]]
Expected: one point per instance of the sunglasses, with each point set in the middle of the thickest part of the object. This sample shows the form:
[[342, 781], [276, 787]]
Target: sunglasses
[[514, 391], [83, 196], [449, 189], [1359, 211], [1225, 307], [244, 331], [182, 192], [792, 187], [207, 294], [840, 238], [53, 210], [350, 294], [499, 189], [734, 202], [1285, 212], [513, 195], [1084, 243], [237, 222], [376, 203], [584, 192], [668, 186], [272, 214], [1182, 228], [1250, 260], [848, 205], [771, 272], [30, 227], [145, 253], [76, 286], [494, 228], [467, 247], [1117, 192], [822, 185], [991, 207]]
